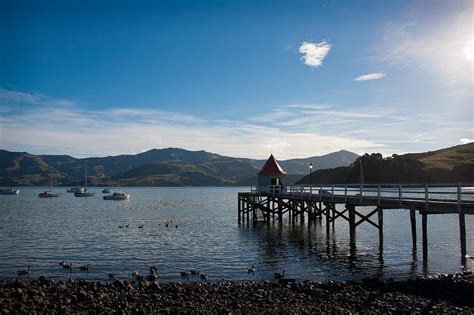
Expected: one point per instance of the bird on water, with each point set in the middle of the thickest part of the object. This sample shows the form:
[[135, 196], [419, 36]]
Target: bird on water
[[24, 272], [252, 269]]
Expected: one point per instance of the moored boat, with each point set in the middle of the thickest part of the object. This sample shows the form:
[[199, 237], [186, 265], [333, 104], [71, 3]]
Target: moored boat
[[83, 192], [48, 194], [75, 189], [106, 190], [9, 191], [117, 196]]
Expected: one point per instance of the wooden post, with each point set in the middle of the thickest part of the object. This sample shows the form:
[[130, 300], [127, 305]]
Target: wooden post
[[424, 229], [413, 228], [352, 226], [462, 234], [328, 218], [248, 210], [302, 203], [239, 208], [333, 216], [380, 216], [280, 211]]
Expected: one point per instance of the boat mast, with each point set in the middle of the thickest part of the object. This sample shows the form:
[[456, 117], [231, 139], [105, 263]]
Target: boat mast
[[86, 177]]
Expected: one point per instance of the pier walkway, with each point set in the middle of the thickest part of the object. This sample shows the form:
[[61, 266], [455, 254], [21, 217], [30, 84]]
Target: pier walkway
[[360, 203]]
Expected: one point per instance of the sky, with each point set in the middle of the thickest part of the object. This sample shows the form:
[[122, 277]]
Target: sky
[[238, 78]]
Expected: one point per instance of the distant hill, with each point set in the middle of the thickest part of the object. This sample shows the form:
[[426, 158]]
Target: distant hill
[[156, 167], [450, 165]]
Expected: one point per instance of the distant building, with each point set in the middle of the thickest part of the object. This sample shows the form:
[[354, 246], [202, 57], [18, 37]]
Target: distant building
[[271, 174]]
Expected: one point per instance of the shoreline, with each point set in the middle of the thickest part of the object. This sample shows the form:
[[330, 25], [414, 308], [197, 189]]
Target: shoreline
[[444, 293]]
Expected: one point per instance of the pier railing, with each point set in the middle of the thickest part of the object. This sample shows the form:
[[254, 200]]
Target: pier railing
[[451, 193]]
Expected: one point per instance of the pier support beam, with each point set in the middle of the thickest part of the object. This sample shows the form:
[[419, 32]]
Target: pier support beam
[[462, 234], [424, 229], [380, 227], [352, 223], [239, 208], [413, 228]]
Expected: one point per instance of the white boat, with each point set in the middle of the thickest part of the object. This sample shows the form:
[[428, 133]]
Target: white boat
[[117, 196], [75, 189], [9, 191], [49, 193], [84, 192]]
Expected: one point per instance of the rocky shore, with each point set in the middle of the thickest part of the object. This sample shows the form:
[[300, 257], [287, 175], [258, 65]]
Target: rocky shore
[[442, 294]]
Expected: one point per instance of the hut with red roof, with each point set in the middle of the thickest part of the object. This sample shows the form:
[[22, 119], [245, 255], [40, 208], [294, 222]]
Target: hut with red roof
[[271, 174]]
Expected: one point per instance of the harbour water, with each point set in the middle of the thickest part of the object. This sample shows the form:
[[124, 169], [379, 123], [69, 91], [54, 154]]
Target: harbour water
[[205, 236]]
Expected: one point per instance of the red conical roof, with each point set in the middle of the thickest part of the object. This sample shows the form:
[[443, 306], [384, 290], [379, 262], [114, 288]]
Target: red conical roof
[[271, 167]]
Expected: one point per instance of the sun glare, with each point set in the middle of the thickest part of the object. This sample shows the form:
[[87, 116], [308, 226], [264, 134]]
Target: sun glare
[[468, 50]]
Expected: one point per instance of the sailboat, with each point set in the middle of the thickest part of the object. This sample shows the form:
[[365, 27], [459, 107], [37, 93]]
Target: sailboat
[[84, 193], [49, 193]]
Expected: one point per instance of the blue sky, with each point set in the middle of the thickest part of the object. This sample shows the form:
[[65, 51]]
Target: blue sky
[[240, 78]]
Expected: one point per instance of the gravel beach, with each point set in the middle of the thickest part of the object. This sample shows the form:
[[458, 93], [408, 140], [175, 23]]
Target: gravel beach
[[442, 294]]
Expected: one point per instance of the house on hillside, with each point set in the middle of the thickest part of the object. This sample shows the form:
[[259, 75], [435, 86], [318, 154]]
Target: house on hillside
[[271, 176]]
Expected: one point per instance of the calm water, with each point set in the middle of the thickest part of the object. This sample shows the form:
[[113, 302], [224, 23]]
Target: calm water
[[41, 232]]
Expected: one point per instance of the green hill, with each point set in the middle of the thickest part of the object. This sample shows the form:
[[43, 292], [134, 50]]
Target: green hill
[[157, 167], [450, 165]]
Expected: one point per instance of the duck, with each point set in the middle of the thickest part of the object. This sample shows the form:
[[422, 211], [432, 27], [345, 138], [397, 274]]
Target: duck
[[176, 226], [85, 267], [153, 269], [194, 272], [62, 263], [166, 225], [120, 226], [67, 266], [141, 226], [279, 275], [24, 272], [112, 275], [185, 274], [127, 226], [286, 281], [135, 274], [252, 269], [203, 276]]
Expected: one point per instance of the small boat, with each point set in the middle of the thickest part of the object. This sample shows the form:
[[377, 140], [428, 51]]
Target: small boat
[[117, 196], [84, 192], [49, 193], [106, 190], [75, 189], [9, 191]]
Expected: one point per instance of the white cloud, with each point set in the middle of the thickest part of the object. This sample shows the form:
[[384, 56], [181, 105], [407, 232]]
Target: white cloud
[[370, 76], [466, 140], [314, 53]]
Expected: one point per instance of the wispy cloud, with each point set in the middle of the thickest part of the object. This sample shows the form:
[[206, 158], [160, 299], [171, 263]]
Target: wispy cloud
[[314, 53], [370, 76]]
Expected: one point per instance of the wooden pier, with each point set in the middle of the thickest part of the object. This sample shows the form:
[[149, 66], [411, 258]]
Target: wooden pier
[[309, 203]]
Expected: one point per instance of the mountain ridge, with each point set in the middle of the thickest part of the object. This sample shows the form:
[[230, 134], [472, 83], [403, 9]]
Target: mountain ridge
[[155, 167]]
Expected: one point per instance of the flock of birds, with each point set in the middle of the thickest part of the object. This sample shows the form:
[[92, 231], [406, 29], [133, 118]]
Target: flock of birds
[[153, 273], [167, 223]]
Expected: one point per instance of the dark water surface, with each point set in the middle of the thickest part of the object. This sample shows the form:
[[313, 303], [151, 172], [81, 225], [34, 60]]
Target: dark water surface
[[41, 232]]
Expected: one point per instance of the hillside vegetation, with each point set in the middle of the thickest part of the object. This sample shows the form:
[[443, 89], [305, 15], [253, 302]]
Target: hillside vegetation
[[450, 165]]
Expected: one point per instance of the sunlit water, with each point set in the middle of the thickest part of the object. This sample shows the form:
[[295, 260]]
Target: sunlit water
[[41, 232]]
